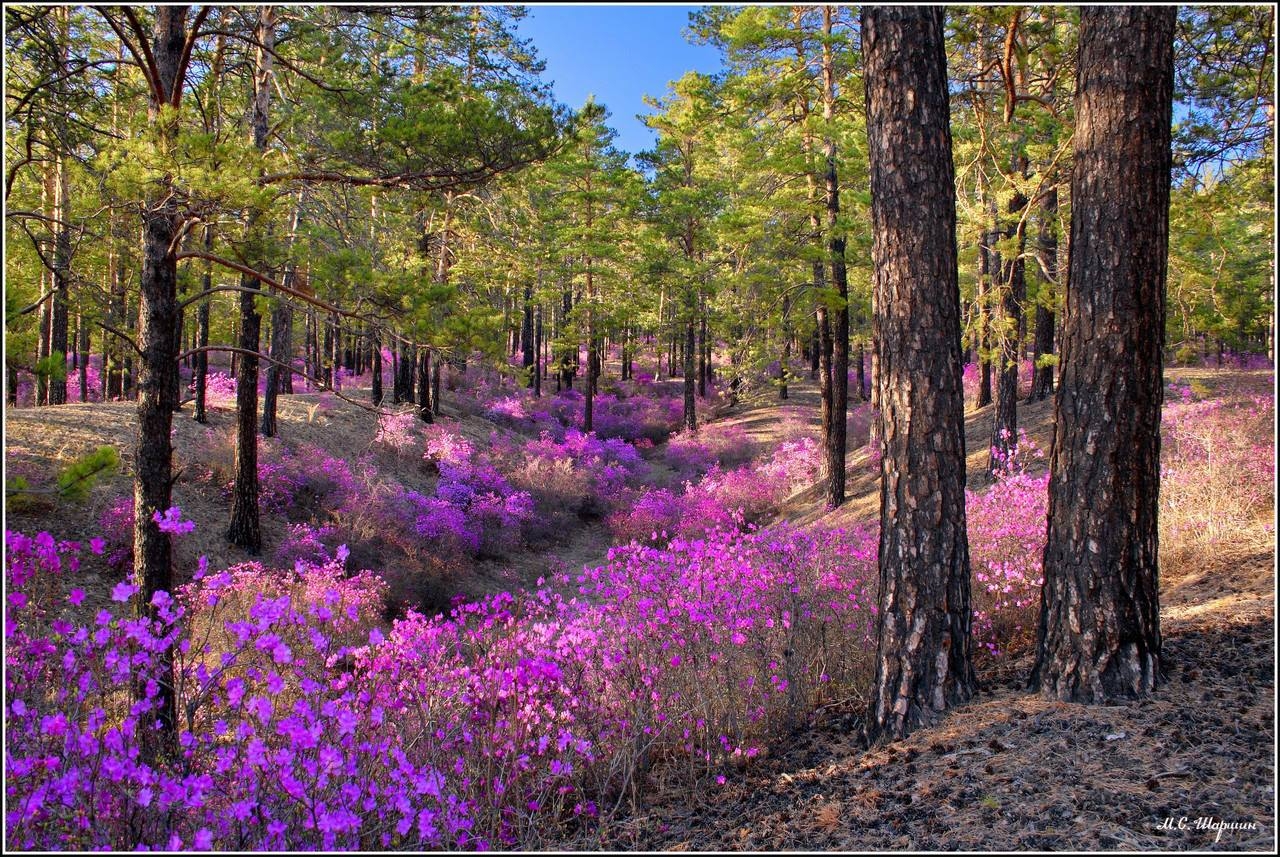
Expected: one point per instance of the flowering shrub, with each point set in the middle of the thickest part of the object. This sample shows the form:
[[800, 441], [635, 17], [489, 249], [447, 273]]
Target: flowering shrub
[[220, 389], [308, 544], [1217, 466], [116, 524], [397, 432], [1007, 531], [93, 379], [304, 725], [278, 748], [693, 454]]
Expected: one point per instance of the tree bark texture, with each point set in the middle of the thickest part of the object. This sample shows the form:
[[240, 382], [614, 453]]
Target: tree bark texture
[[923, 661], [153, 451], [1099, 631]]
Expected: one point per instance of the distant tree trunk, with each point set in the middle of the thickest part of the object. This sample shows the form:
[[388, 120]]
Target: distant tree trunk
[[58, 319], [690, 381], [281, 348], [1013, 294], [785, 359], [435, 386], [245, 530], [702, 349], [527, 345], [326, 358], [837, 441], [112, 358], [588, 404], [280, 370], [537, 351], [1042, 376], [1099, 631], [922, 662], [814, 350], [375, 355], [333, 339], [862, 372], [569, 356], [986, 256], [82, 359], [424, 386]]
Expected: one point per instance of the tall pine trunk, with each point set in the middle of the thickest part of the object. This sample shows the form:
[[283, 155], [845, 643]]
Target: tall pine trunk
[[837, 440], [153, 452], [923, 662], [245, 530], [1099, 632]]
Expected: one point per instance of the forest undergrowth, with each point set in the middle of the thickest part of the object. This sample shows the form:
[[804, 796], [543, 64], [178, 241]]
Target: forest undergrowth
[[356, 687]]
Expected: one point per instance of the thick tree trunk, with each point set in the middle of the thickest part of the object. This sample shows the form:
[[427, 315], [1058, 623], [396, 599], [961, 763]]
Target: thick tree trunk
[[153, 464], [922, 662], [1099, 632]]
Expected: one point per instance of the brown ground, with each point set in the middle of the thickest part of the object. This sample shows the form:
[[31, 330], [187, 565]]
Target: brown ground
[[1007, 771], [1012, 771]]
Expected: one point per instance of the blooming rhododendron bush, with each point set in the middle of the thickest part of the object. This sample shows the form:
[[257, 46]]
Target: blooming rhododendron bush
[[305, 724]]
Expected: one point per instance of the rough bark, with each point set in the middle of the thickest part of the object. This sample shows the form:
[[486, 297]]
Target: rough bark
[[153, 464], [922, 661], [1099, 632]]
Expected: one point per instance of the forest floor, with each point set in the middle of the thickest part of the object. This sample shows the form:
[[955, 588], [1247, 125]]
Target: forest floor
[[1009, 770]]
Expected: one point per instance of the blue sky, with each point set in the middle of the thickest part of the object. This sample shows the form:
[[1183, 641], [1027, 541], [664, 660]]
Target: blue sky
[[617, 53]]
